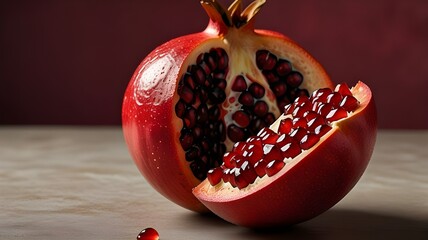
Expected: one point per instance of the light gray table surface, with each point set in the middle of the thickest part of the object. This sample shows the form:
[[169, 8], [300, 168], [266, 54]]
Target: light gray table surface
[[80, 183]]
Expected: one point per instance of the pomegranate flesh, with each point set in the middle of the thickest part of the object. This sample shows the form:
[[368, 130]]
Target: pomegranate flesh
[[194, 97], [300, 166]]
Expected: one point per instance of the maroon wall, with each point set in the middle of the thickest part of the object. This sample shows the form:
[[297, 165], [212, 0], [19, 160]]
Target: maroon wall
[[68, 62]]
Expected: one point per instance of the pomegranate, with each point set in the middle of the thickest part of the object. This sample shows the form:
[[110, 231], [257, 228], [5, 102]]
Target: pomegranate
[[194, 97], [300, 166]]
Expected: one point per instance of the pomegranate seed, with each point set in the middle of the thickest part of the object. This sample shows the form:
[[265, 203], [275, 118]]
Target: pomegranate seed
[[186, 140], [283, 67], [190, 118], [260, 167], [334, 99], [267, 135], [291, 150], [209, 60], [349, 103], [285, 126], [301, 109], [246, 99], [260, 108], [255, 154], [214, 113], [239, 85], [241, 118], [279, 88], [271, 152], [180, 108], [148, 234], [336, 114], [294, 79], [298, 133], [188, 81], [256, 90], [343, 89], [192, 154], [186, 94], [214, 175], [322, 129], [232, 176], [221, 56], [238, 147], [226, 175], [270, 76], [202, 113], [228, 159], [246, 176], [265, 60], [289, 109], [320, 95], [235, 133], [309, 141], [315, 122], [198, 74], [299, 123], [310, 115], [274, 167], [324, 109]]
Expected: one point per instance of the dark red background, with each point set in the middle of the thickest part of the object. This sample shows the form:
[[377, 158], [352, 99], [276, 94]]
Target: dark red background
[[68, 62]]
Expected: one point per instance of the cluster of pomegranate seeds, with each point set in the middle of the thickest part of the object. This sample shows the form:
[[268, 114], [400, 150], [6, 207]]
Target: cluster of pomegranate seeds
[[148, 234], [309, 118], [201, 91]]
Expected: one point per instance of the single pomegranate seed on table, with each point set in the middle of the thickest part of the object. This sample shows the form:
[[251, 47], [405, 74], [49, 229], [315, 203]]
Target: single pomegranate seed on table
[[148, 234]]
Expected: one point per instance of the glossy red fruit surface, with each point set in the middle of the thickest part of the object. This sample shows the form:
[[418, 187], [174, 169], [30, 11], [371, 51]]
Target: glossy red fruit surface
[[327, 163], [193, 97]]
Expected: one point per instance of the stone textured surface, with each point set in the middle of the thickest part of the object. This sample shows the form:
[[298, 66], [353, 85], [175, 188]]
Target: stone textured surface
[[80, 183]]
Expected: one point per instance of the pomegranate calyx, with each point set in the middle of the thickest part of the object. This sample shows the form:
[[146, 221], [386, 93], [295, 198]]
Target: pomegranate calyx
[[234, 16]]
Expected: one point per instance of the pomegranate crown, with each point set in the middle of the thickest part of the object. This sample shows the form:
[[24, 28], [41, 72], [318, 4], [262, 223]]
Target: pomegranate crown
[[233, 16]]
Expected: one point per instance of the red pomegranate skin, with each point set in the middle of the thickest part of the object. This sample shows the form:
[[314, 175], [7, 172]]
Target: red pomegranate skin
[[147, 113], [309, 186]]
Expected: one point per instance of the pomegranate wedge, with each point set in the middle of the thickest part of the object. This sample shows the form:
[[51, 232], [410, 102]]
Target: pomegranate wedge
[[305, 163]]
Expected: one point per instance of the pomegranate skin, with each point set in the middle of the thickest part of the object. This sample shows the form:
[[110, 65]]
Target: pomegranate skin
[[150, 126], [147, 116], [311, 183]]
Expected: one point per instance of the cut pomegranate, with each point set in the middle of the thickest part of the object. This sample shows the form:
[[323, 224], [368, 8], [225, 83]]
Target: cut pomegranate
[[307, 169], [194, 97]]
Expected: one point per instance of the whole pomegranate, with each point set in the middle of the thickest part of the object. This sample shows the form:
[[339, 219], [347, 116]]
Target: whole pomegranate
[[194, 97]]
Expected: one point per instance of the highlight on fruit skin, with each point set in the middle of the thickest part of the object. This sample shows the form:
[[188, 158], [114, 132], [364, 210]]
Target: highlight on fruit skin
[[192, 98], [291, 180]]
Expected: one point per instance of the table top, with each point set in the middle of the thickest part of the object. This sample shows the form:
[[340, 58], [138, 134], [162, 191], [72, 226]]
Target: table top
[[80, 183]]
